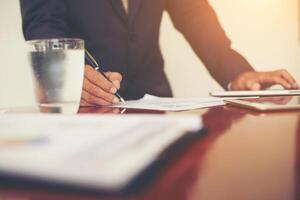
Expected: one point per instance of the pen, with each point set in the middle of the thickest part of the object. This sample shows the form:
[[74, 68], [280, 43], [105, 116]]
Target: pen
[[91, 61]]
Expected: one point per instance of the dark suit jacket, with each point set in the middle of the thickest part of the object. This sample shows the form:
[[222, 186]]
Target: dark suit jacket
[[130, 44]]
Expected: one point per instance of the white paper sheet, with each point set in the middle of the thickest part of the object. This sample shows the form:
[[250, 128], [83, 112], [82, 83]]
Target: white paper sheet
[[170, 104], [104, 152]]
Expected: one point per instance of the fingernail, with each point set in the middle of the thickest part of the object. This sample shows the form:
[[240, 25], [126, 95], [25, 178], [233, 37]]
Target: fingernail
[[116, 100], [113, 90]]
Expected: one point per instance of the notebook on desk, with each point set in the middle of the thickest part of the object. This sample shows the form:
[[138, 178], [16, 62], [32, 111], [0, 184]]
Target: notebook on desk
[[104, 153]]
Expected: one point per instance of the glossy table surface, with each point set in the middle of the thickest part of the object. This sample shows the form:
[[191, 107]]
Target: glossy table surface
[[244, 155]]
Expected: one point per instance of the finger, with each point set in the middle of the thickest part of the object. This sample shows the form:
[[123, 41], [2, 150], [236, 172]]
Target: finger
[[250, 84], [273, 79], [93, 99], [282, 82], [98, 92], [238, 84], [115, 77], [84, 103], [253, 85], [99, 80], [288, 77], [117, 84]]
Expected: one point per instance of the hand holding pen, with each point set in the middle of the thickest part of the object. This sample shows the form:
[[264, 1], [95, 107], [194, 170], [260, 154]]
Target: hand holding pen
[[99, 88]]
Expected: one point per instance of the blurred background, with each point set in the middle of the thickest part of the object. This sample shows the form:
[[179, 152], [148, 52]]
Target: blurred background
[[266, 32]]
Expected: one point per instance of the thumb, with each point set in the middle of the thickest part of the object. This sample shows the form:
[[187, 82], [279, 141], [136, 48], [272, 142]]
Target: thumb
[[115, 78], [251, 85], [116, 83]]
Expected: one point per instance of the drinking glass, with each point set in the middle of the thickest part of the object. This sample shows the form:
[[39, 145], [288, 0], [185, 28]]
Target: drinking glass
[[58, 70]]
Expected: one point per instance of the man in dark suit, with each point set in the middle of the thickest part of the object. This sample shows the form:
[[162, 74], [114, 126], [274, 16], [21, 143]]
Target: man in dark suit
[[124, 36]]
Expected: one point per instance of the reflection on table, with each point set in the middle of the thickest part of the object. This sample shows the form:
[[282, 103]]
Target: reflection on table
[[243, 156]]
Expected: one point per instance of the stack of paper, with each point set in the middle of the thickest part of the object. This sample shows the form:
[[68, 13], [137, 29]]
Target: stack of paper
[[99, 152], [171, 104]]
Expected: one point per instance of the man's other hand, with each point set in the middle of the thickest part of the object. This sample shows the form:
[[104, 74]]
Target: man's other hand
[[97, 90], [263, 80]]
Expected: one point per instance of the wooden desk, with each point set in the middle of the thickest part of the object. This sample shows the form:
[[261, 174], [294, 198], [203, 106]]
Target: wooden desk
[[244, 156]]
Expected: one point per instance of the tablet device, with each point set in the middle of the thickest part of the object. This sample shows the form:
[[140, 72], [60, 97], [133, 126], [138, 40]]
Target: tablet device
[[247, 93], [269, 103]]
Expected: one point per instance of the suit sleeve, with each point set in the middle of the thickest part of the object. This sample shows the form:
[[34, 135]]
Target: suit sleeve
[[43, 19], [198, 23]]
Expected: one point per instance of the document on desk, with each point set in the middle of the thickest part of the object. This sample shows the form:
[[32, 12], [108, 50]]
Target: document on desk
[[96, 152], [170, 104]]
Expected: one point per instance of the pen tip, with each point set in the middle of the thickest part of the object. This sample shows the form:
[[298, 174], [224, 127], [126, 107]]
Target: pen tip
[[122, 100]]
